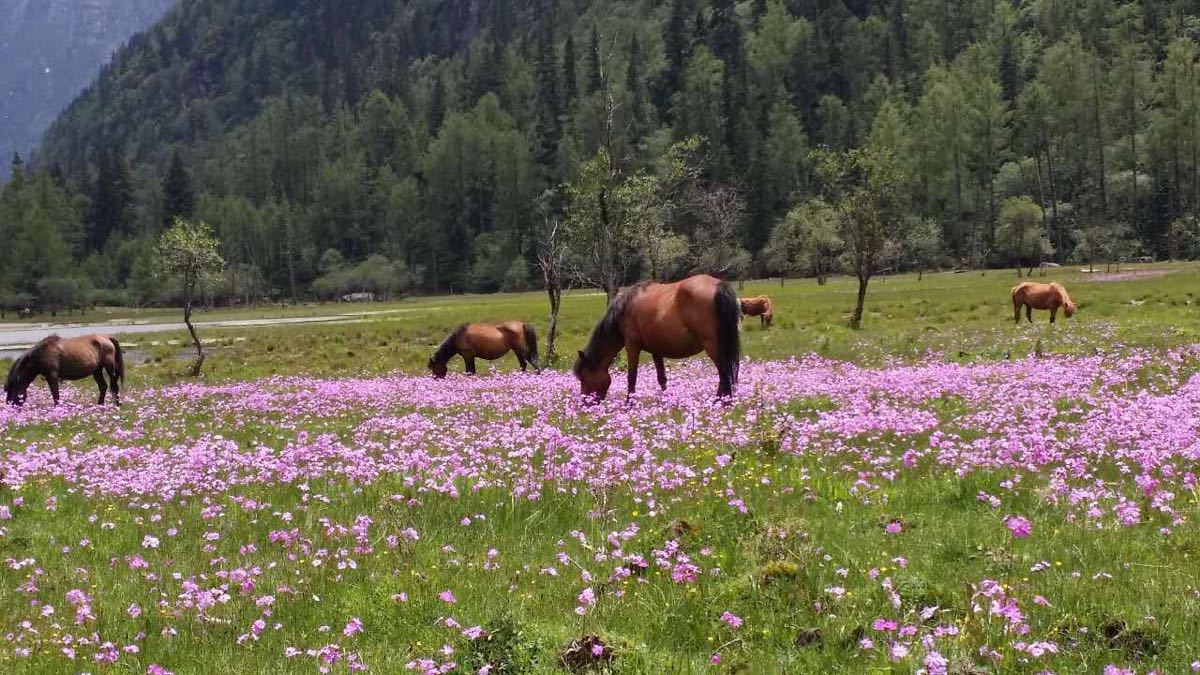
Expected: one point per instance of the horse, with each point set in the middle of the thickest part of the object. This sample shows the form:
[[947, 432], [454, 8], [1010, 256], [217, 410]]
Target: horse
[[486, 341], [57, 359], [1033, 295], [760, 307], [674, 321]]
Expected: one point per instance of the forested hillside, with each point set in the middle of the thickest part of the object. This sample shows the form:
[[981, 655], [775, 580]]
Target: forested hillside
[[338, 145]]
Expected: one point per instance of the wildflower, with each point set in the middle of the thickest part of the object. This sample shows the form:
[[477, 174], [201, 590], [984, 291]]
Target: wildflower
[[894, 527], [1019, 526], [447, 597], [733, 620], [353, 627]]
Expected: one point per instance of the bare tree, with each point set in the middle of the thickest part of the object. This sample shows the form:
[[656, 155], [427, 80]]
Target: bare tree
[[553, 256]]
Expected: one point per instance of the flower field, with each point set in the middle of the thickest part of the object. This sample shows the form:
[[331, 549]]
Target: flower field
[[1032, 515]]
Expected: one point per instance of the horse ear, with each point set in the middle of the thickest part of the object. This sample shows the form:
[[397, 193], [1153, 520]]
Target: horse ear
[[582, 358]]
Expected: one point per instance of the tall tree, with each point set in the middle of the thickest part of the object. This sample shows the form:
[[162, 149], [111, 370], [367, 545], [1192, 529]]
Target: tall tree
[[179, 199]]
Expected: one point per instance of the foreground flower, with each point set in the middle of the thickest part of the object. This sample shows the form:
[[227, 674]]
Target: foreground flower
[[733, 620], [1019, 526]]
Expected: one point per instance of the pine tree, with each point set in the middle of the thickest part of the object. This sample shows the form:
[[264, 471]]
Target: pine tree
[[179, 200], [678, 48], [570, 78], [437, 104], [549, 126], [595, 77], [724, 33], [111, 197], [637, 89]]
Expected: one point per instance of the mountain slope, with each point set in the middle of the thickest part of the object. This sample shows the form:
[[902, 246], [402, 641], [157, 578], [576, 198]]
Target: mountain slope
[[49, 50], [335, 143]]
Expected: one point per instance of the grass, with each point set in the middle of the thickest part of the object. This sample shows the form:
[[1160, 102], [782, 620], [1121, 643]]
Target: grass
[[959, 317], [1123, 595]]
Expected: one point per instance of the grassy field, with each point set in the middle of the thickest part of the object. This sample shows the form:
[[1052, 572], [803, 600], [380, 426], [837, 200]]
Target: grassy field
[[925, 494], [959, 317]]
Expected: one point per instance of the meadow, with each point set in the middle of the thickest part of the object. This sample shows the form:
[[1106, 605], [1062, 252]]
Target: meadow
[[942, 491]]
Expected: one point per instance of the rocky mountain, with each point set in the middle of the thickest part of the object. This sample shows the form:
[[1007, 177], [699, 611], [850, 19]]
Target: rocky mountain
[[49, 50]]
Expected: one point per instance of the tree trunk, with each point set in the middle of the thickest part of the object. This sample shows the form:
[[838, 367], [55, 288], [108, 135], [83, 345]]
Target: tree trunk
[[920, 273], [194, 371], [555, 294], [856, 321]]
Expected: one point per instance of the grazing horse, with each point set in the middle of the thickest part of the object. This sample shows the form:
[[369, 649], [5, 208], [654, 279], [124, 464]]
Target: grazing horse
[[57, 359], [1032, 295], [674, 321], [760, 307], [486, 341]]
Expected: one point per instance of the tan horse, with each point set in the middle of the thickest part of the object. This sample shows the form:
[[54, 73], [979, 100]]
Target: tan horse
[[1033, 295], [486, 341], [760, 307], [673, 321], [57, 359]]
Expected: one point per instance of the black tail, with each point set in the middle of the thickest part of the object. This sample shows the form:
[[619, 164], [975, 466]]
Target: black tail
[[531, 349], [120, 361], [729, 340]]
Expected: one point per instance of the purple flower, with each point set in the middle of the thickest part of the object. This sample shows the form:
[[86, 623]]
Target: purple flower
[[1019, 526], [733, 620]]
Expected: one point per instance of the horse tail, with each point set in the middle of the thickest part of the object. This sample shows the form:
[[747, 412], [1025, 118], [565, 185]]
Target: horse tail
[[729, 317], [531, 348], [120, 359]]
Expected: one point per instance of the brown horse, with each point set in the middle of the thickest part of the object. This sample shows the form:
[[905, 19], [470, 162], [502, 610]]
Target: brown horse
[[674, 321], [760, 307], [1032, 295], [486, 341], [57, 359]]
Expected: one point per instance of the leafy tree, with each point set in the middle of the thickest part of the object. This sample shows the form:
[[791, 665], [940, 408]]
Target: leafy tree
[[864, 185], [807, 240], [1022, 232], [188, 255], [922, 245]]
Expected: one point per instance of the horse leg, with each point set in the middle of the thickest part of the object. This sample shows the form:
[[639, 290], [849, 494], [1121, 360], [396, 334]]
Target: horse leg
[[1028, 313], [520, 359], [470, 361], [633, 355], [661, 369], [116, 389], [1053, 313], [1016, 312], [101, 384], [724, 374], [52, 382]]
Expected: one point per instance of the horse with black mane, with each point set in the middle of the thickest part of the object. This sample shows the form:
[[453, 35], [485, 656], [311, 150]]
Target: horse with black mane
[[57, 359], [670, 321], [486, 341]]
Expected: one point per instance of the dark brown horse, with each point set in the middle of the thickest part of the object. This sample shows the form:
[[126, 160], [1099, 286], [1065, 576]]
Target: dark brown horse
[[486, 341], [760, 307], [672, 321], [1032, 295], [57, 359]]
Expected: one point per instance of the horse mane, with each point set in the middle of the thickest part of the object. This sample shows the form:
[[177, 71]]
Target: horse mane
[[23, 361], [449, 346], [609, 330], [1066, 297]]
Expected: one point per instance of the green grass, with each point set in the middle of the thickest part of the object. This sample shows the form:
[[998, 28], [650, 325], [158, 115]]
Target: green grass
[[1147, 615], [959, 317]]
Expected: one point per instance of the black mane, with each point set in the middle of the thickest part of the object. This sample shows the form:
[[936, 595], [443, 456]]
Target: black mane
[[609, 332], [449, 346]]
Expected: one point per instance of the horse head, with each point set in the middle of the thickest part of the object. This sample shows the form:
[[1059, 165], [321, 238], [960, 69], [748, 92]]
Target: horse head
[[593, 376], [16, 386], [438, 369], [1069, 308]]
